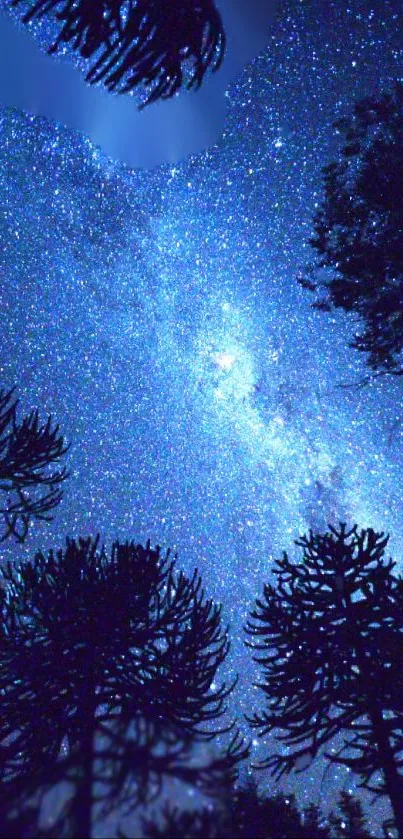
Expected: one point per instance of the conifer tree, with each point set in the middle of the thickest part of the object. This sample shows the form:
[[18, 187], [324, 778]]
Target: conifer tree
[[313, 822], [358, 230], [30, 486], [329, 640], [351, 823], [107, 665], [203, 823], [162, 44], [244, 815]]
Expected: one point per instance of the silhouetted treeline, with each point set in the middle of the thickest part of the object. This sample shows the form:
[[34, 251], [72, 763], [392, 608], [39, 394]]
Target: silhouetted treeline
[[248, 815], [108, 669], [358, 230]]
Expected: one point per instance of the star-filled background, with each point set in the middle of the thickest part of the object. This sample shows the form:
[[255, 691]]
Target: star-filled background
[[155, 314]]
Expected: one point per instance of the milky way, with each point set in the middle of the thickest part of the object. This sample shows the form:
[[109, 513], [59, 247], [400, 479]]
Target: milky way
[[157, 316]]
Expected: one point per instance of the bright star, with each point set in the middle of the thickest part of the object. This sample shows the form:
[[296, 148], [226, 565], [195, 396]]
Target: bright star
[[225, 360]]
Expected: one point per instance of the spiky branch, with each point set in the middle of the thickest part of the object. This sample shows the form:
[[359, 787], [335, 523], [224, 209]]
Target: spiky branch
[[157, 43], [330, 642], [31, 489], [357, 231], [120, 653]]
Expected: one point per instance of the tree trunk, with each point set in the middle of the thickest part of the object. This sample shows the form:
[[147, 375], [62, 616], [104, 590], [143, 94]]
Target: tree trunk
[[82, 803], [81, 808], [387, 760], [393, 781]]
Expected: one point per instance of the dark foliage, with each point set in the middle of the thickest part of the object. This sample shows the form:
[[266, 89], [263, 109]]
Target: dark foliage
[[271, 818], [251, 816], [156, 43], [247, 815], [351, 822], [31, 489], [330, 642], [106, 672], [186, 824], [358, 230], [314, 824]]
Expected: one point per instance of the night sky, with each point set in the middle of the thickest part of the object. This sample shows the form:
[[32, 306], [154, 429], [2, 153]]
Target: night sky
[[155, 314]]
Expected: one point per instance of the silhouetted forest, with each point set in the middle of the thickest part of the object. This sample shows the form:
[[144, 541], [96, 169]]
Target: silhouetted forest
[[120, 653], [245, 814], [110, 659]]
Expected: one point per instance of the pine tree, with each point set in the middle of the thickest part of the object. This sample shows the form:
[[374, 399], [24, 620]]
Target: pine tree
[[351, 823], [358, 230], [202, 823], [107, 667], [329, 638], [28, 450], [245, 811], [155, 43], [282, 817], [245, 815], [314, 827]]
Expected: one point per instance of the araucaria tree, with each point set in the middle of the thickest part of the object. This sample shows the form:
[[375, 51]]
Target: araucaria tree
[[107, 669], [358, 230], [160, 44], [29, 483], [330, 642]]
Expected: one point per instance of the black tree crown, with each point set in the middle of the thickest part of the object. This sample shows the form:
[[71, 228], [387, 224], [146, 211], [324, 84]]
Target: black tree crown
[[248, 814], [329, 638], [28, 449], [358, 230], [120, 655], [158, 43]]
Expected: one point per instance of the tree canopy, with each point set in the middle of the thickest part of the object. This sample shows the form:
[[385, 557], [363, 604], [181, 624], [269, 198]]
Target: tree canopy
[[118, 656], [329, 639], [160, 44], [358, 230], [31, 487], [248, 814]]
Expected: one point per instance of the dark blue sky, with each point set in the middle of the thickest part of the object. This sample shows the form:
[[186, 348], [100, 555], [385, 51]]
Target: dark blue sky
[[155, 314]]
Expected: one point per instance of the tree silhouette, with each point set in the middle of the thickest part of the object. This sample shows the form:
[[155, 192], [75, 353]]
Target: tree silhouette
[[351, 822], [27, 451], [158, 43], [313, 823], [248, 815], [358, 230], [185, 824], [106, 677], [270, 817], [330, 636]]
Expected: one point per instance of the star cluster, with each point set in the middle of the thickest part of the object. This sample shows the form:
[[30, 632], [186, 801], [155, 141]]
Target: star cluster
[[156, 315]]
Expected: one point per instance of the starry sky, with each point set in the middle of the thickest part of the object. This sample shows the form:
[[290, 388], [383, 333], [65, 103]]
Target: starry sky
[[155, 314]]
